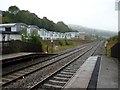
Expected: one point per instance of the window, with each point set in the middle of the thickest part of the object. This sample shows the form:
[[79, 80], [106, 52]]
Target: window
[[8, 29]]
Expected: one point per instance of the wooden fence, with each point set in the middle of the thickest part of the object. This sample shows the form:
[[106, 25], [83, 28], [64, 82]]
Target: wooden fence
[[115, 51]]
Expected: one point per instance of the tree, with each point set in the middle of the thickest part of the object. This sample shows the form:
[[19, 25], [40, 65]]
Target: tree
[[13, 10], [15, 15], [61, 27], [119, 36], [24, 35]]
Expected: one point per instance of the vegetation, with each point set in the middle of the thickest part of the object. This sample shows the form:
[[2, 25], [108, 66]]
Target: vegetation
[[111, 42], [119, 37], [31, 38], [15, 15], [24, 35], [60, 45]]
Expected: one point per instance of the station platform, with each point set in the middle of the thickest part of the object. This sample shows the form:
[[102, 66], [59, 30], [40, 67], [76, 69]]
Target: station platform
[[14, 55], [87, 77], [23, 54], [108, 75]]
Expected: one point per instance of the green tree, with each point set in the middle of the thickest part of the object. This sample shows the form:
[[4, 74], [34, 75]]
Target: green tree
[[8, 17], [15, 15], [13, 9], [24, 17], [24, 35], [119, 36], [61, 27], [35, 38]]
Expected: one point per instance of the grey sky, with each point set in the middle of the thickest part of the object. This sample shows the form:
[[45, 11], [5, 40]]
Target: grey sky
[[99, 14]]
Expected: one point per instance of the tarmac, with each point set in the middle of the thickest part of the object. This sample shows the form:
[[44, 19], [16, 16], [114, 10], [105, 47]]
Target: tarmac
[[108, 74]]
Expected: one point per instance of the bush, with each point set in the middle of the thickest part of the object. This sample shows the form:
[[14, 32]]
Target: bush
[[66, 42], [61, 42], [16, 46], [119, 37]]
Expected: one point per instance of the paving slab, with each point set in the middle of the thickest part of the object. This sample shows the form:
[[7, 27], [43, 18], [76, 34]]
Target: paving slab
[[108, 73]]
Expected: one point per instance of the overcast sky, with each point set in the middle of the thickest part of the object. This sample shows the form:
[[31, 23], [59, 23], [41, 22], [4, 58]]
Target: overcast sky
[[99, 14]]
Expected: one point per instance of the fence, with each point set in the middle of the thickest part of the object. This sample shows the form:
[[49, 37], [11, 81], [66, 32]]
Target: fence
[[115, 51]]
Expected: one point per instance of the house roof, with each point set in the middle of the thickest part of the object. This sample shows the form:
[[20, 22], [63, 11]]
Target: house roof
[[33, 26], [11, 24]]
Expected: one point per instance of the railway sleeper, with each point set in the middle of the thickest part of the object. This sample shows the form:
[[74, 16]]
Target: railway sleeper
[[71, 68], [23, 72], [11, 76], [60, 78], [52, 86], [68, 73], [56, 83], [31, 69], [17, 74], [5, 80], [71, 71], [64, 75]]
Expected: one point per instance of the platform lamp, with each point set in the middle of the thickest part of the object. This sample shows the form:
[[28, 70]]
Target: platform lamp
[[51, 45]]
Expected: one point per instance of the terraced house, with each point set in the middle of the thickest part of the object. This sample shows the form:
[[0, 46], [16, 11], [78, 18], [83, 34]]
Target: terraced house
[[11, 31]]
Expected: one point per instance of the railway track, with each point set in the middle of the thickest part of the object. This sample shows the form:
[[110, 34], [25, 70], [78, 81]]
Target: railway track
[[71, 58], [62, 76], [11, 77], [29, 61]]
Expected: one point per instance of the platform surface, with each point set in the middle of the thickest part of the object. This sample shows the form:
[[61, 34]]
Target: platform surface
[[7, 56], [108, 74]]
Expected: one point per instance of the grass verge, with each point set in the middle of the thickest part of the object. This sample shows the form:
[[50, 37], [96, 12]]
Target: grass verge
[[61, 45]]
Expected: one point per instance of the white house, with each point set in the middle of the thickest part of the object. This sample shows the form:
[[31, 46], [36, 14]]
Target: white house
[[32, 28], [43, 33], [67, 35], [82, 35], [11, 31], [50, 35]]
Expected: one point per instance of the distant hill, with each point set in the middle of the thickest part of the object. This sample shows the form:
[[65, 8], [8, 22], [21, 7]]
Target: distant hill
[[90, 31], [15, 15]]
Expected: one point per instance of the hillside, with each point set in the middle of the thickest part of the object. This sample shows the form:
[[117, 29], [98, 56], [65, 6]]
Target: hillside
[[95, 32], [15, 15]]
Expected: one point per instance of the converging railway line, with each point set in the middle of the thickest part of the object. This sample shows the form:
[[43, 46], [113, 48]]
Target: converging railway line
[[53, 72], [13, 64]]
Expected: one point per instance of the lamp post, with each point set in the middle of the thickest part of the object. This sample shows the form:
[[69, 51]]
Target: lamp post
[[52, 46], [46, 49]]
